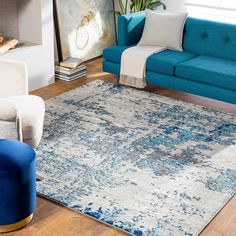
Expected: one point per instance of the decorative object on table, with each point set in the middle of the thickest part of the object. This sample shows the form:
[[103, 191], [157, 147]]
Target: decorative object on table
[[128, 6], [19, 112], [68, 74], [6, 44], [18, 185], [85, 27], [133, 160]]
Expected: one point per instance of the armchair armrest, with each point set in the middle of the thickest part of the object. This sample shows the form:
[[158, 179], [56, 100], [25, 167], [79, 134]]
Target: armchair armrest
[[130, 28], [10, 122], [13, 78]]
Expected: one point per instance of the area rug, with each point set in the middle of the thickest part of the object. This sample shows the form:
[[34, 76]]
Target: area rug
[[144, 163]]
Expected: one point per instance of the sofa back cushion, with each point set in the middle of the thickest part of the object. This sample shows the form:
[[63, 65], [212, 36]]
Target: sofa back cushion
[[210, 38], [130, 28]]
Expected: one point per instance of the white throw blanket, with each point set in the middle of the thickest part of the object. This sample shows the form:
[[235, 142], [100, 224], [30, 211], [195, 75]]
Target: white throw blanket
[[133, 65]]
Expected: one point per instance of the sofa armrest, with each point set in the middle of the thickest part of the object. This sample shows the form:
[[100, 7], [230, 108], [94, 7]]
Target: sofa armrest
[[130, 28], [13, 78]]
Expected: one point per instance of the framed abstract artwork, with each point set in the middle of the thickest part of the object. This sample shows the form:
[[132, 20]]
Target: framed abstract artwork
[[84, 27]]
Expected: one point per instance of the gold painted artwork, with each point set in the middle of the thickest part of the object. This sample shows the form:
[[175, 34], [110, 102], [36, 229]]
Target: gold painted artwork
[[86, 27]]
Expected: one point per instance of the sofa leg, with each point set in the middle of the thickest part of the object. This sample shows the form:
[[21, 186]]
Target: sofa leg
[[118, 80]]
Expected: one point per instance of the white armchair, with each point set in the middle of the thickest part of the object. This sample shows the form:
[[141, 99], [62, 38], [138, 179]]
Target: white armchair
[[21, 115]]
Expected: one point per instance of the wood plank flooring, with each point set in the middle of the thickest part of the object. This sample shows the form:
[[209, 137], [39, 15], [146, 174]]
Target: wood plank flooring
[[51, 219]]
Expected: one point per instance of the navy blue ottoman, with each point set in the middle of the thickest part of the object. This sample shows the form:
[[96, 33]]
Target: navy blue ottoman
[[17, 185]]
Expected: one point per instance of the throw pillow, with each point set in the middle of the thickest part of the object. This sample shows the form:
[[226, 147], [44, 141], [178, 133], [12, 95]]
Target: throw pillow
[[163, 29]]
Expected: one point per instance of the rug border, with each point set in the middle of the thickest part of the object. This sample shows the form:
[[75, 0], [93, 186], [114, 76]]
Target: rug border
[[224, 205], [143, 90], [122, 230], [77, 211], [216, 213]]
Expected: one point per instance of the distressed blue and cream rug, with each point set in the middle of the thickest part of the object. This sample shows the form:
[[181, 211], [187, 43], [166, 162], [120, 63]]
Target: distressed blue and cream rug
[[144, 163]]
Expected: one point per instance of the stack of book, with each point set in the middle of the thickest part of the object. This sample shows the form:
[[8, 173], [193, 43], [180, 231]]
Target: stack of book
[[70, 69]]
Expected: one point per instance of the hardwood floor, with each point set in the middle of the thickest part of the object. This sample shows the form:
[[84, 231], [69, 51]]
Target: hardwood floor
[[51, 219]]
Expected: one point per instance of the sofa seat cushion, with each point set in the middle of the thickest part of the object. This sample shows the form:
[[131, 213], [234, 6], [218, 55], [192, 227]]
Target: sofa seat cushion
[[209, 70], [113, 54], [164, 62]]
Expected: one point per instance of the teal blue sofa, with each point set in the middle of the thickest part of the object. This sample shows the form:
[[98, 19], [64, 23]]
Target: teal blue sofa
[[206, 67]]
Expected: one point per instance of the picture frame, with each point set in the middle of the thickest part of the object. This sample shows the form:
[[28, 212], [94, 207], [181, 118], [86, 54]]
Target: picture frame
[[84, 28]]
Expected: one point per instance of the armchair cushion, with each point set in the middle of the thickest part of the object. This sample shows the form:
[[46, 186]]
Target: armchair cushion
[[32, 109]]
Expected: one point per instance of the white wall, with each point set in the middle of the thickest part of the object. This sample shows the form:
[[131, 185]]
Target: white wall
[[175, 5], [8, 18], [30, 20], [39, 58], [172, 5]]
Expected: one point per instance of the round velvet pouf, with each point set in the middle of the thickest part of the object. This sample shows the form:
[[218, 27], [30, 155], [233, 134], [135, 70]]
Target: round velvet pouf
[[17, 185]]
